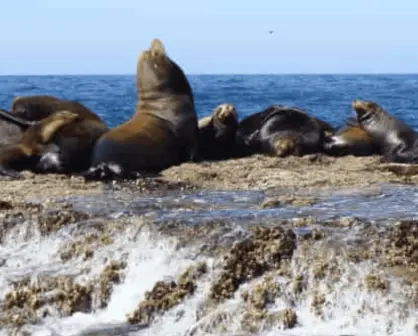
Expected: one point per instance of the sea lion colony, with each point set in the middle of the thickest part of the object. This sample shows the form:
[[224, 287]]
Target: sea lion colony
[[63, 136]]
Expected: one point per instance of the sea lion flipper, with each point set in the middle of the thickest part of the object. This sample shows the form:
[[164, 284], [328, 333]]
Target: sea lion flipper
[[108, 172], [5, 115]]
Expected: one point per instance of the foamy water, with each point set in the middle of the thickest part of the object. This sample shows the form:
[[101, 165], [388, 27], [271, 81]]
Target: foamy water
[[348, 308]]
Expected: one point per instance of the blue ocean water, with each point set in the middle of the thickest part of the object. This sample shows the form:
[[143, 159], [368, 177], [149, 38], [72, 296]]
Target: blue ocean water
[[325, 96]]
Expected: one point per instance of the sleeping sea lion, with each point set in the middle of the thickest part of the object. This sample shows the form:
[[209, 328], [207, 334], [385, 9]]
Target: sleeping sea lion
[[163, 131], [72, 148], [396, 140], [279, 131], [350, 140], [33, 141], [217, 133]]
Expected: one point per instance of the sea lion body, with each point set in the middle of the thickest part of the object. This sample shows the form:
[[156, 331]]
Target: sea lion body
[[280, 131], [217, 133], [397, 141], [72, 148], [350, 140], [30, 146], [162, 132]]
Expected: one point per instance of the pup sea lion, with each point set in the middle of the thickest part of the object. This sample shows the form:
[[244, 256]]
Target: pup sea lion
[[397, 141], [162, 132], [72, 148], [23, 154], [350, 140], [217, 133], [279, 131]]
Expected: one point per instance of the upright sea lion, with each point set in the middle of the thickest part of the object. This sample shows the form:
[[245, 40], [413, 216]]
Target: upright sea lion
[[350, 140], [397, 141], [162, 132], [279, 131], [217, 133], [72, 148], [33, 141]]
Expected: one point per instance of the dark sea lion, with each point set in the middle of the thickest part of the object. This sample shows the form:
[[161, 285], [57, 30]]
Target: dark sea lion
[[397, 141], [328, 129], [11, 127], [217, 133], [280, 131], [31, 144], [163, 131], [72, 148]]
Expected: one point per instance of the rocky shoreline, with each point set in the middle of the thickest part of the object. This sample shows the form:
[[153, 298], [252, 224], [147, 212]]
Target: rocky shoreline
[[281, 265]]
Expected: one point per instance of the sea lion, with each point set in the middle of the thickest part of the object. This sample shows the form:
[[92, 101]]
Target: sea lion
[[11, 127], [350, 139], [72, 148], [33, 141], [279, 131], [163, 131], [217, 133], [397, 141]]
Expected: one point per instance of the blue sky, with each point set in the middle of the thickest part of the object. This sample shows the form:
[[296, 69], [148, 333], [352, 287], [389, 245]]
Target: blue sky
[[210, 36]]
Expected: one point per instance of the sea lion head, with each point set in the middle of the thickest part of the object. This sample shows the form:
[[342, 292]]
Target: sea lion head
[[367, 111], [157, 73], [284, 146], [33, 108], [226, 114]]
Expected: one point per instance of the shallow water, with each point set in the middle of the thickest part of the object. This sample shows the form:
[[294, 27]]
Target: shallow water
[[387, 201]]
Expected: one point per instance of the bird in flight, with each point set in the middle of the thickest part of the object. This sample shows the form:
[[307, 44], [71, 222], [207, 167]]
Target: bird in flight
[[271, 32]]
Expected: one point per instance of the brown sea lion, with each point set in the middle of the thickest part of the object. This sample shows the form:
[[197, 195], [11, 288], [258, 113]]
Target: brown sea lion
[[396, 140], [217, 133], [279, 131], [350, 140], [72, 148], [162, 132], [33, 141]]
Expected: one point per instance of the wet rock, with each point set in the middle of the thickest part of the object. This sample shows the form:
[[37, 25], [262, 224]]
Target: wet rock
[[166, 295], [53, 220], [374, 282], [27, 302], [84, 247], [293, 200], [263, 251], [110, 276]]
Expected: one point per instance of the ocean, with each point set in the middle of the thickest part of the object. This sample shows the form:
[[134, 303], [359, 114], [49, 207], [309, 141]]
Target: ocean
[[325, 96], [329, 299]]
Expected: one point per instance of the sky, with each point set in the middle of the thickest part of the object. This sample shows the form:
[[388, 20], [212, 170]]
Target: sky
[[210, 36]]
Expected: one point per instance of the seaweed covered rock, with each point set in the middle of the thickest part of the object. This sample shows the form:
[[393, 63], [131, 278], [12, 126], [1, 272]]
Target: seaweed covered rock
[[249, 258]]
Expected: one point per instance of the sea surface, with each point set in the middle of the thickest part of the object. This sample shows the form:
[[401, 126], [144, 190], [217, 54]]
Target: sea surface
[[149, 260], [325, 96]]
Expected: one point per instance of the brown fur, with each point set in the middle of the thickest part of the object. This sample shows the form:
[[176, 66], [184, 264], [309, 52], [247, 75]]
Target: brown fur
[[34, 140], [350, 140], [284, 146], [163, 131], [75, 142]]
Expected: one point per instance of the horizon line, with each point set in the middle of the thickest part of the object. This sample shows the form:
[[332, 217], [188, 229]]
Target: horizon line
[[227, 74]]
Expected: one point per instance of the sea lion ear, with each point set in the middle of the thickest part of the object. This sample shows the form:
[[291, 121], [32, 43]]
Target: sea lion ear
[[157, 46]]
